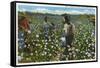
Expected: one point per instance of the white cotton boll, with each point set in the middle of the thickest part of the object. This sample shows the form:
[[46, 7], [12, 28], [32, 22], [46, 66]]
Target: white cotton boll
[[28, 59], [31, 54], [63, 39], [49, 39], [45, 48], [93, 48], [89, 55], [33, 43], [36, 44], [49, 54], [45, 53], [77, 50], [92, 52], [42, 54], [73, 48], [93, 33], [42, 40], [89, 45], [28, 44], [86, 53], [92, 44], [52, 43], [57, 45], [70, 53], [52, 46], [68, 46], [56, 40], [35, 51], [40, 46], [29, 31], [69, 49], [37, 36], [86, 40], [46, 43]]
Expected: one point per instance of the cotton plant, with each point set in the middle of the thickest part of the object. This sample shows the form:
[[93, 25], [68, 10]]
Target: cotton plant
[[48, 44], [85, 42]]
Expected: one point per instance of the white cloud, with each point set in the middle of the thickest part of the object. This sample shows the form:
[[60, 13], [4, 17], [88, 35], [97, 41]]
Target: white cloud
[[41, 10], [59, 12], [62, 11], [75, 12]]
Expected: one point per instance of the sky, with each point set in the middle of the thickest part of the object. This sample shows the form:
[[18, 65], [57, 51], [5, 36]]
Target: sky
[[56, 9]]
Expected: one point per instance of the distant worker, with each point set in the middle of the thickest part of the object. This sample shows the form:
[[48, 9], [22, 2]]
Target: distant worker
[[23, 33], [24, 24]]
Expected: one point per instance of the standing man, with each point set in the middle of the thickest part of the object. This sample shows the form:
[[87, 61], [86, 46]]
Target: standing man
[[69, 30], [46, 27]]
